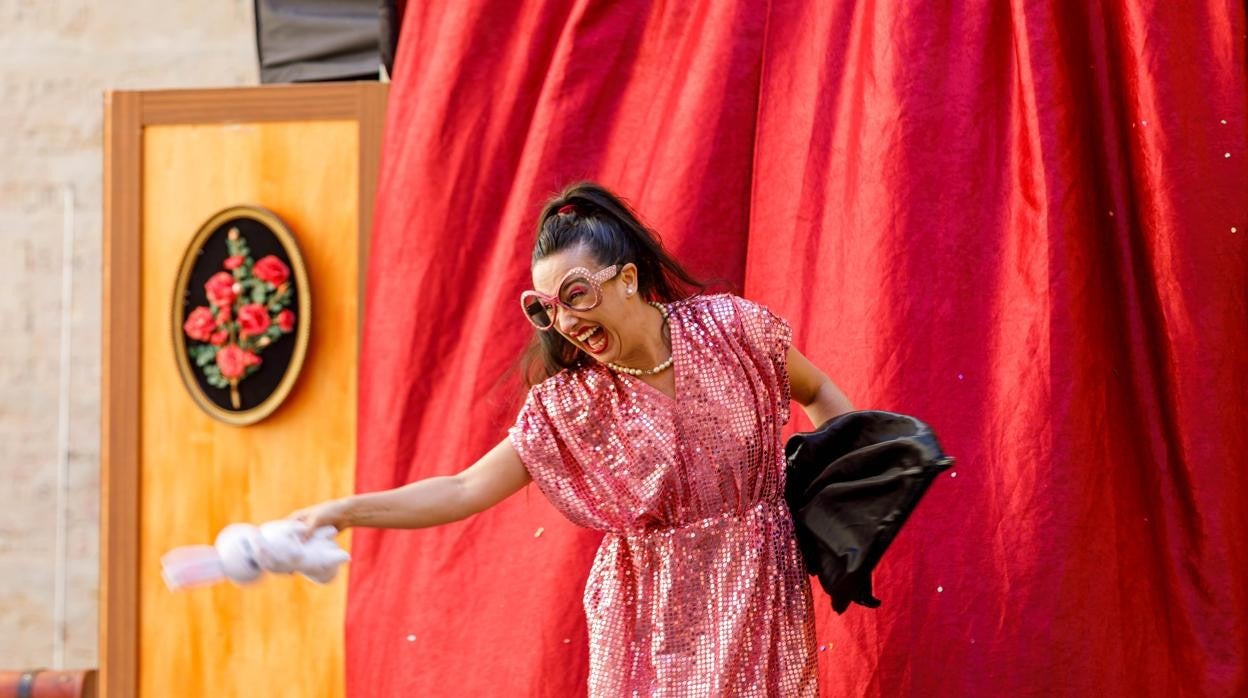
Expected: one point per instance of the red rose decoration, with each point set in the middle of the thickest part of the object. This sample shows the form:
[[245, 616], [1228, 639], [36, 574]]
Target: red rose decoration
[[253, 319], [271, 270], [252, 296], [233, 361], [220, 289], [199, 324]]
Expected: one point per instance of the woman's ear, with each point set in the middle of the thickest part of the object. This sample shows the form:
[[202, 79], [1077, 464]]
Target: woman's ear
[[628, 277]]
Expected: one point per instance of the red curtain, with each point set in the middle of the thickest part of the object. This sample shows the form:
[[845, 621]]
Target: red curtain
[[1024, 222]]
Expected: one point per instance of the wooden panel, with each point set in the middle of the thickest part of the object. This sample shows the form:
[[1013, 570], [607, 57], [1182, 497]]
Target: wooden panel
[[246, 105], [372, 117], [284, 636], [119, 413]]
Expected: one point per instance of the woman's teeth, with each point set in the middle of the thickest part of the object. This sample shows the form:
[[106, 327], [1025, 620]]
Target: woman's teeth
[[595, 340]]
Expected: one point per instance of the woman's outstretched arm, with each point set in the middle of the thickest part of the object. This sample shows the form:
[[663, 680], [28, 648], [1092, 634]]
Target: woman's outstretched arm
[[814, 391], [429, 502]]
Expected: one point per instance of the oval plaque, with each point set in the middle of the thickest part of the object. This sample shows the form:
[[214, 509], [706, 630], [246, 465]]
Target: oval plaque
[[240, 315]]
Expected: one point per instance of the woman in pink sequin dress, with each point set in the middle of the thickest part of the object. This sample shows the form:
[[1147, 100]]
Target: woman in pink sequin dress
[[655, 417]]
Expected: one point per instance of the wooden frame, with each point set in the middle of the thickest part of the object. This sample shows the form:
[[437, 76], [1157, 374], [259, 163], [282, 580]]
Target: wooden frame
[[303, 309], [125, 116]]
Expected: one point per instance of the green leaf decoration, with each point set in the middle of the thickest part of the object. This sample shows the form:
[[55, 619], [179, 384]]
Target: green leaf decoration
[[257, 294], [206, 355]]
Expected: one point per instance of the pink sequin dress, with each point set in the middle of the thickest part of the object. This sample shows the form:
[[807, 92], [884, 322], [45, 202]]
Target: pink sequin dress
[[698, 588]]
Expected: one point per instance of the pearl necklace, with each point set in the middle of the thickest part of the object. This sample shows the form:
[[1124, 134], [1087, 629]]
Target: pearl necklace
[[641, 371]]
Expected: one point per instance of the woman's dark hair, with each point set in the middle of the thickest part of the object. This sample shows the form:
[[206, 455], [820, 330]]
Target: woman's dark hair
[[607, 228]]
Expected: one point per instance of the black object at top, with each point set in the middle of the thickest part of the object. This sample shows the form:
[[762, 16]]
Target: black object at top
[[851, 485], [324, 40]]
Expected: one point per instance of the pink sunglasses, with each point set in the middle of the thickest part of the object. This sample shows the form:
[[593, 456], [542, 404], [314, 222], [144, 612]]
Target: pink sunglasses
[[579, 289]]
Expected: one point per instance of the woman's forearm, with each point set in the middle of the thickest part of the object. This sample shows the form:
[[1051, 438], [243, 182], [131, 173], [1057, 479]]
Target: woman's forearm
[[829, 402], [429, 502], [432, 501], [813, 390]]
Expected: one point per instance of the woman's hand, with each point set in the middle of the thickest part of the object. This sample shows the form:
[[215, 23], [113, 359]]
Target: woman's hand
[[334, 512]]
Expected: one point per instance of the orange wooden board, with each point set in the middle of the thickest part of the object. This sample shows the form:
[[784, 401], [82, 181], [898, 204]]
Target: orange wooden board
[[282, 637]]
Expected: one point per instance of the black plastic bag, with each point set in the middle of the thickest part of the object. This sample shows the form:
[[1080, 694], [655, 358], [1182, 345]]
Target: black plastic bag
[[851, 485]]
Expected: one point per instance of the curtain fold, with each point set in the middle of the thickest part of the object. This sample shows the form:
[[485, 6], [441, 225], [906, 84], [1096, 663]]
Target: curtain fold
[[1022, 222]]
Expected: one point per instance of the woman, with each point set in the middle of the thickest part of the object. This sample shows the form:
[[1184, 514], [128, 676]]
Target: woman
[[658, 421]]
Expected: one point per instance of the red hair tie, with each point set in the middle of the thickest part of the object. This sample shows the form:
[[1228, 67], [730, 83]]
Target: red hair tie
[[567, 208]]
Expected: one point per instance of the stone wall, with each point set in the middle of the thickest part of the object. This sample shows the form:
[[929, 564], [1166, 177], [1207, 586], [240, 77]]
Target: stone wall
[[57, 57]]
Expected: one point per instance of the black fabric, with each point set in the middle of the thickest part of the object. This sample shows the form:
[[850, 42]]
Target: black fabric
[[851, 485], [391, 14], [318, 40]]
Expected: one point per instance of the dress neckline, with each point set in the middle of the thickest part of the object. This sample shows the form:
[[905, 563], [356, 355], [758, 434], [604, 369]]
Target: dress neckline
[[676, 362]]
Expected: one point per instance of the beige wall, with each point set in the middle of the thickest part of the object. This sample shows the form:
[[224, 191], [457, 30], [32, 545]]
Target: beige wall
[[56, 59]]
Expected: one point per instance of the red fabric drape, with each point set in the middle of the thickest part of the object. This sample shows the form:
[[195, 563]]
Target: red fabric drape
[[1022, 222]]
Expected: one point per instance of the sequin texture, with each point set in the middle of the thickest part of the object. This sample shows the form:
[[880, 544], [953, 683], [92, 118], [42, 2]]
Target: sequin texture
[[698, 588]]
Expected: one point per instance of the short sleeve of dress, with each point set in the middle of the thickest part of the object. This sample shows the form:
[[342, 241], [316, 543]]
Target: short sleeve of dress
[[767, 332], [548, 456], [534, 437], [770, 337]]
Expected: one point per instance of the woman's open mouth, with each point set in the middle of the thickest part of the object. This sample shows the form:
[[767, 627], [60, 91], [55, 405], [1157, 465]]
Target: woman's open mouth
[[594, 341]]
